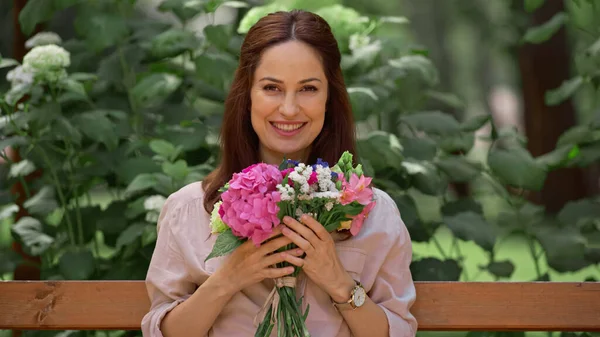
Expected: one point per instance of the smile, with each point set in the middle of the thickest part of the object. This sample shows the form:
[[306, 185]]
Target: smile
[[288, 127]]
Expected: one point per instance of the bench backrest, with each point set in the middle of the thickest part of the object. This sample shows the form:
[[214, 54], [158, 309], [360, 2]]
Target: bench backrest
[[443, 306]]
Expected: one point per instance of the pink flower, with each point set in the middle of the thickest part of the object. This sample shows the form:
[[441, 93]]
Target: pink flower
[[313, 178], [250, 204], [359, 219], [286, 172], [356, 190]]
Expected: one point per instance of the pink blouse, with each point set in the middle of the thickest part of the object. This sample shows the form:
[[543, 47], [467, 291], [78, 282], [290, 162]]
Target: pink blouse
[[379, 257]]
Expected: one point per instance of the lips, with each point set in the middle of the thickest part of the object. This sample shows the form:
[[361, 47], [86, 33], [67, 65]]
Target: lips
[[288, 127]]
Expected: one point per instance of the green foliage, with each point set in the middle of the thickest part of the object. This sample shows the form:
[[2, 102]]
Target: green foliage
[[137, 114]]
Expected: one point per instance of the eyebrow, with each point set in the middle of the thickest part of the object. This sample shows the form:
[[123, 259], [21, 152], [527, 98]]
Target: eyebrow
[[280, 81]]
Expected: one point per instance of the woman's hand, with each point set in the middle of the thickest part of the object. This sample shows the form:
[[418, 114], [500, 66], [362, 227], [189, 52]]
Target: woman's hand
[[248, 264], [321, 263]]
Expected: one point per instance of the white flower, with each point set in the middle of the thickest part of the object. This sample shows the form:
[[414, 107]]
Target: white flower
[[329, 206], [154, 203], [42, 39], [47, 63], [286, 191], [324, 178], [152, 217], [299, 212], [358, 41], [19, 75]]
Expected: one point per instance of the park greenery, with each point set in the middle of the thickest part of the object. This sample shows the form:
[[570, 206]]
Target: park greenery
[[113, 123]]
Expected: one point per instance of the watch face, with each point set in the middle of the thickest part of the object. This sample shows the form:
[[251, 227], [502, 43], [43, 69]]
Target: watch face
[[359, 296]]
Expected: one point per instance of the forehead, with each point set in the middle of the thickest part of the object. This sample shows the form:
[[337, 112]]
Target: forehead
[[290, 61]]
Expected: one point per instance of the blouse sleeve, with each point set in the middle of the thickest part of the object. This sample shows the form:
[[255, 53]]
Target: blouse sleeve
[[168, 280], [393, 289]]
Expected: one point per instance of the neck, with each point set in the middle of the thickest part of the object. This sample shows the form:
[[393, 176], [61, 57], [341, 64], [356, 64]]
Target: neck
[[274, 158]]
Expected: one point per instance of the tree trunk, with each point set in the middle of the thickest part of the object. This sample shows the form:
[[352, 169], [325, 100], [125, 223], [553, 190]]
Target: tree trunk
[[544, 67]]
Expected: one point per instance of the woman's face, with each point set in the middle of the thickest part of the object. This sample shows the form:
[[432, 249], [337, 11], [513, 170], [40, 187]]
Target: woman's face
[[288, 95]]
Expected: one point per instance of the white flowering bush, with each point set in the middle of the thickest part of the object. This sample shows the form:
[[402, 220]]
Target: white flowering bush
[[47, 63]]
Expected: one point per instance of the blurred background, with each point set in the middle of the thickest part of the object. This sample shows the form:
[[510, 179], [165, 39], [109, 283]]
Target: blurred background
[[480, 118]]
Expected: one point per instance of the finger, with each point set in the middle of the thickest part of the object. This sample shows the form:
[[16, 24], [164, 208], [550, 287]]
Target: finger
[[274, 245], [301, 229], [298, 240], [277, 272], [296, 261], [273, 259], [316, 227]]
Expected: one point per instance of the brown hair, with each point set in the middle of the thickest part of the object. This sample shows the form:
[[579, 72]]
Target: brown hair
[[238, 142]]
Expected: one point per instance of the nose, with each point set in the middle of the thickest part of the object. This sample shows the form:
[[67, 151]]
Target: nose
[[289, 106]]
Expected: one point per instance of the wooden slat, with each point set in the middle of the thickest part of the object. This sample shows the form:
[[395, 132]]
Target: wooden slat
[[444, 306]]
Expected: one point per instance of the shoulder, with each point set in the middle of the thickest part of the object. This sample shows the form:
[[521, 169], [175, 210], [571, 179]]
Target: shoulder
[[186, 202], [384, 220]]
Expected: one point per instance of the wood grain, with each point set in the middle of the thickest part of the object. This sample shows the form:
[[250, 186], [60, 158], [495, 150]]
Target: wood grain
[[443, 306]]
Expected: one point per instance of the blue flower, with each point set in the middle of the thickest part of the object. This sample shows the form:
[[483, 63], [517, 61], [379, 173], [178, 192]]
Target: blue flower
[[293, 162], [322, 163], [334, 176]]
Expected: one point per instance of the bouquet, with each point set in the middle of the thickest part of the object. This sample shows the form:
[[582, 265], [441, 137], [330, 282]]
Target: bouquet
[[254, 202]]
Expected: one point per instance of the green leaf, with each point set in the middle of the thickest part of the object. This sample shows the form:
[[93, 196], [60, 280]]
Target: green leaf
[[469, 226], [132, 233], [532, 5], [65, 130], [164, 148], [564, 92], [96, 126], [458, 169], [5, 63], [21, 168], [516, 167], [154, 89], [475, 123], [8, 211], [215, 69], [501, 268], [433, 122], [449, 99], [457, 142], [177, 170], [141, 182], [546, 30], [64, 4], [183, 9], [218, 35], [9, 260], [455, 207], [128, 169], [577, 135], [11, 142], [579, 210], [235, 4], [558, 157], [429, 182], [226, 243], [432, 269], [565, 247], [91, 20], [594, 49], [72, 86], [34, 12], [417, 63], [173, 42], [42, 203], [419, 148], [77, 264], [29, 231], [381, 149]]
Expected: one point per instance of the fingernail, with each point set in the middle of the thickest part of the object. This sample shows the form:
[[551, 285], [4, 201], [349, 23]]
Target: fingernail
[[299, 251], [285, 230]]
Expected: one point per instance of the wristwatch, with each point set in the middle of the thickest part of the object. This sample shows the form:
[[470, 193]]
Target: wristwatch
[[358, 295]]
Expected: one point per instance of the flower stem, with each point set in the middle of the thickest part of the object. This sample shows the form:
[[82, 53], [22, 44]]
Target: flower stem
[[61, 196]]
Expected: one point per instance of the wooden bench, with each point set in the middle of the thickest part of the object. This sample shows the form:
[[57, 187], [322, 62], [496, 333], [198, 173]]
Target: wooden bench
[[442, 306]]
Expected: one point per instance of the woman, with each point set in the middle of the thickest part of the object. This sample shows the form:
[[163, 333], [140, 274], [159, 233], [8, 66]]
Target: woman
[[288, 99]]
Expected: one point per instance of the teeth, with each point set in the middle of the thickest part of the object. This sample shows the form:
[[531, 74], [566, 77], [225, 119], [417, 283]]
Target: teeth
[[288, 127]]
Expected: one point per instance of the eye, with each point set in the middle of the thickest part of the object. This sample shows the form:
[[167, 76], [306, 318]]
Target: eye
[[270, 87], [309, 88]]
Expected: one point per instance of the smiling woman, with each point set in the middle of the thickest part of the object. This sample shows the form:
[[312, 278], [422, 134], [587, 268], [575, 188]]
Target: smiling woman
[[288, 100]]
